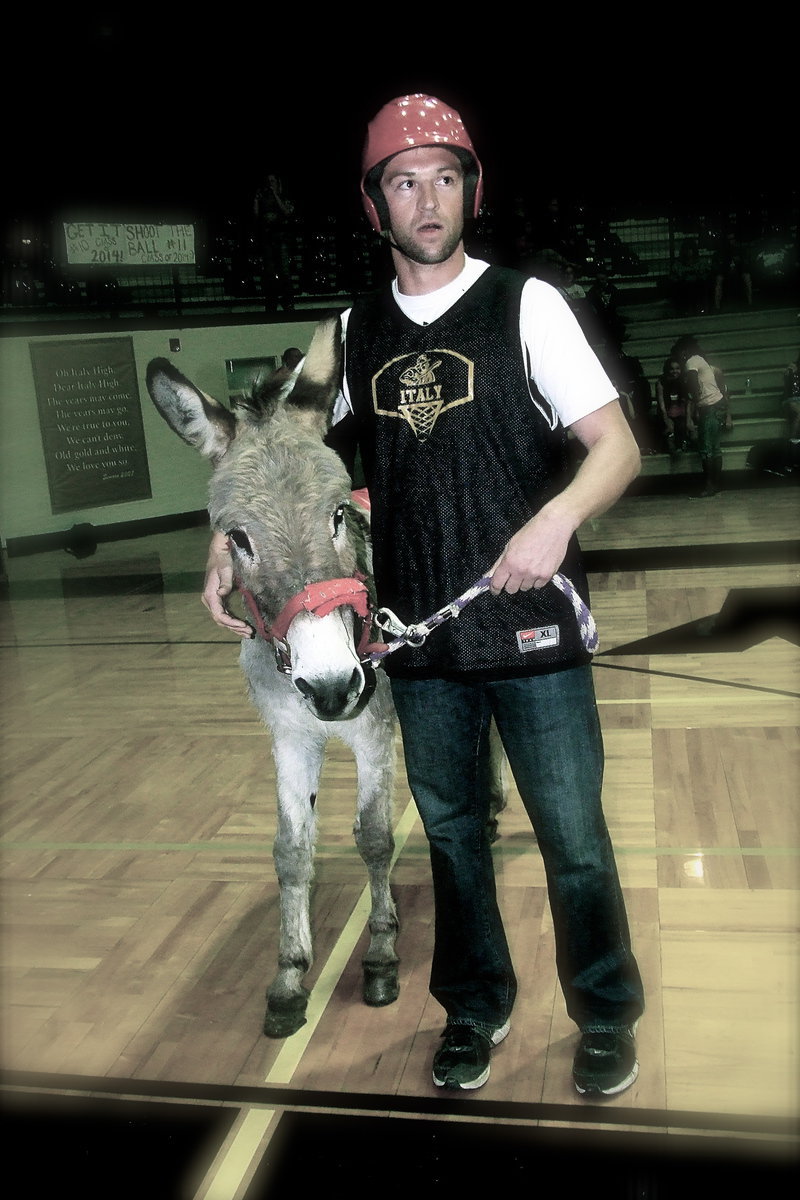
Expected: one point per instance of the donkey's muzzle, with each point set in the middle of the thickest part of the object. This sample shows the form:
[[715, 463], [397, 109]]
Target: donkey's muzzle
[[332, 700]]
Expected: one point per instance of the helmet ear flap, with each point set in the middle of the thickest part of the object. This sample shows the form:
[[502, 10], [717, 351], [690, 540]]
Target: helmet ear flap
[[374, 202], [473, 181]]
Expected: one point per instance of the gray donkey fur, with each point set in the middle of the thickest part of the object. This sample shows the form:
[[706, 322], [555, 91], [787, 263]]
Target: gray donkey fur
[[284, 499]]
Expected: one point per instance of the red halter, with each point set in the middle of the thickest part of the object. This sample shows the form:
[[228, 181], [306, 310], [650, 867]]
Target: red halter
[[320, 599]]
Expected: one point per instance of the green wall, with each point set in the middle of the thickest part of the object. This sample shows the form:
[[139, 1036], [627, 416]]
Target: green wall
[[178, 475]]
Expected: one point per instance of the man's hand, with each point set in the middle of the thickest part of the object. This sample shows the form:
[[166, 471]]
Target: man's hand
[[532, 556], [219, 585]]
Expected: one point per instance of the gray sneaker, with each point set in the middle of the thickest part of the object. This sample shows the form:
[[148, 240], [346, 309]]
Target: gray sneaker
[[462, 1061], [605, 1062]]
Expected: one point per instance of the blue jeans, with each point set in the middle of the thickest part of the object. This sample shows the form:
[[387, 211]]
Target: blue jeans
[[550, 729], [710, 423]]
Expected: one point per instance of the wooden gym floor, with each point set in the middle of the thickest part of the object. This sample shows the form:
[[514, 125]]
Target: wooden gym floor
[[140, 908]]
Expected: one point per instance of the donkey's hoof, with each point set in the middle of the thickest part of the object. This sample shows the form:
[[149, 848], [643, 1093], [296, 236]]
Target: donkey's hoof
[[282, 1025], [381, 984], [285, 1016]]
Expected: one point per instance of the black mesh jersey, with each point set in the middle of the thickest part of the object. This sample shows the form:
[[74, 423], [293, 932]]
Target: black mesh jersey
[[457, 457]]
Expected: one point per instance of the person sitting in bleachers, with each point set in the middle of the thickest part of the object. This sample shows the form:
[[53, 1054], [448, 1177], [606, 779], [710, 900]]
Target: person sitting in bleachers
[[781, 456], [636, 397], [791, 399], [672, 405]]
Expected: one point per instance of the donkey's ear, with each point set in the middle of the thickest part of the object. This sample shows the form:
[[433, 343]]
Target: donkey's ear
[[197, 418], [320, 378]]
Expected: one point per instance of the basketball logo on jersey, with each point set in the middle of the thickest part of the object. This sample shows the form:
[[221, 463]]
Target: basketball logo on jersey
[[419, 387]]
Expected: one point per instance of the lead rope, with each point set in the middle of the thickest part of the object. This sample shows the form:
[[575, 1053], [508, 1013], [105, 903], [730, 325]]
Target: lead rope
[[415, 635]]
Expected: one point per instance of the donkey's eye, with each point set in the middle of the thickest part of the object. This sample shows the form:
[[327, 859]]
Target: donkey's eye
[[337, 521], [240, 539]]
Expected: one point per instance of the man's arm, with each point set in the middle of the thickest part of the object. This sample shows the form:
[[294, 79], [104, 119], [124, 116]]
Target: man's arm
[[219, 585], [534, 554]]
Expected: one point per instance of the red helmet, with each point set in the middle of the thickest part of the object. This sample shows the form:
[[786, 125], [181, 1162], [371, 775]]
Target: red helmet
[[407, 122]]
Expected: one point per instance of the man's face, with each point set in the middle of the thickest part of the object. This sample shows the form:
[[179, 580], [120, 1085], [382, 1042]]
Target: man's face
[[424, 192]]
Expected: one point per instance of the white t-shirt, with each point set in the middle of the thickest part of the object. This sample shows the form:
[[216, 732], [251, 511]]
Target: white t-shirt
[[710, 393], [561, 362]]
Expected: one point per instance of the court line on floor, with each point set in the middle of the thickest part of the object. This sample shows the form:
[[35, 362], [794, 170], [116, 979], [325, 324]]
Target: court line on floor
[[246, 1141], [252, 1136], [292, 1051]]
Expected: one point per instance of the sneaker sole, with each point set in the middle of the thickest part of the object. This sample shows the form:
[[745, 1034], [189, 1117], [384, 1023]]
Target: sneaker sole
[[498, 1036], [454, 1085], [501, 1034], [609, 1091]]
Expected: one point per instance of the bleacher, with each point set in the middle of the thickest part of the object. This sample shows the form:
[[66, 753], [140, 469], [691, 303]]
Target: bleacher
[[331, 264], [753, 347]]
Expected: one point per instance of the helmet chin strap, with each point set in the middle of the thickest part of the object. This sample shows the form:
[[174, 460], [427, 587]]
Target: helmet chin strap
[[386, 234]]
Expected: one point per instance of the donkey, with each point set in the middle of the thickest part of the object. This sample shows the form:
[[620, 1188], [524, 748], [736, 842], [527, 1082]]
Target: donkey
[[302, 562]]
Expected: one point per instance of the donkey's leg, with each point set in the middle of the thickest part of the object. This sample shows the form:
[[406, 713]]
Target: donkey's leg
[[373, 834], [298, 764]]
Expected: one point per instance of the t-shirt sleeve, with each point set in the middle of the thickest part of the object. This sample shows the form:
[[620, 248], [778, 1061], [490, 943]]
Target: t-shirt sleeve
[[562, 364], [342, 406]]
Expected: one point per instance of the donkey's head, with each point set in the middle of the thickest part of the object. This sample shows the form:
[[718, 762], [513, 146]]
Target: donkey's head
[[283, 498]]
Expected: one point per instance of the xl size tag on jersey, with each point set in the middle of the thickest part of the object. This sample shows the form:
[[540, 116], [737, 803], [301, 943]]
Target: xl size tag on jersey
[[538, 639]]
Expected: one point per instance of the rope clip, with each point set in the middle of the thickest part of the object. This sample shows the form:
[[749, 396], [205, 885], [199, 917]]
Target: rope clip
[[389, 622]]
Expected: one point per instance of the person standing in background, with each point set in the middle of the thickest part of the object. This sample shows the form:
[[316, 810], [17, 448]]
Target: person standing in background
[[709, 412]]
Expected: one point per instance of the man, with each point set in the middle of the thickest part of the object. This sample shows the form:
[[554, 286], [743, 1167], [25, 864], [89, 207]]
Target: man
[[460, 383]]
